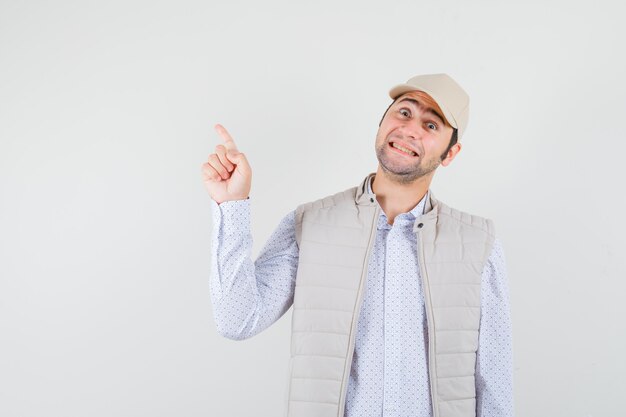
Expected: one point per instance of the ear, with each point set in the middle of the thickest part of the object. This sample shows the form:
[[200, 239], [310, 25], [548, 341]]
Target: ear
[[452, 153]]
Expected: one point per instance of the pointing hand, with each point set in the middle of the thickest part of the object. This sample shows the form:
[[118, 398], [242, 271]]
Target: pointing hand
[[227, 174]]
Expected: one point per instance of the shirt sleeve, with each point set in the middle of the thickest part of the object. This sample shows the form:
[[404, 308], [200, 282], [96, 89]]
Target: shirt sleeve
[[247, 296], [494, 362]]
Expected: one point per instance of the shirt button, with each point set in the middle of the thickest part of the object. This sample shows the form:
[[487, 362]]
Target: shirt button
[[371, 200], [419, 226]]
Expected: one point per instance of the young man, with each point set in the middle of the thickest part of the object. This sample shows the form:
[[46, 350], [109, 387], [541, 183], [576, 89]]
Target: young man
[[400, 301]]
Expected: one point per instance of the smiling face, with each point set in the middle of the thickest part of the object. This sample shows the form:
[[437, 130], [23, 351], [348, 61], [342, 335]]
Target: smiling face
[[412, 137]]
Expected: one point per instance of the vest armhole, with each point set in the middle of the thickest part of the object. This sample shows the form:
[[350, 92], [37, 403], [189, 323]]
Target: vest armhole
[[491, 228], [298, 222], [491, 231]]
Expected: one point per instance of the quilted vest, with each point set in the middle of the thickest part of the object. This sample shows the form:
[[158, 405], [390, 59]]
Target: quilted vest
[[335, 235]]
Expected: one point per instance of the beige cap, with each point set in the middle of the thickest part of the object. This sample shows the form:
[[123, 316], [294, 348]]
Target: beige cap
[[449, 95]]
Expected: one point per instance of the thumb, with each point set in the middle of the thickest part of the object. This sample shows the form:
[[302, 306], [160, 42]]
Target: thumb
[[239, 159]]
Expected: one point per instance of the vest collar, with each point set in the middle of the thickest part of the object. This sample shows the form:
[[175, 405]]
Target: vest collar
[[431, 208], [363, 197]]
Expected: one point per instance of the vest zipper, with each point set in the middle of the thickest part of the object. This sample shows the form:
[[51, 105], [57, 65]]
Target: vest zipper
[[355, 316]]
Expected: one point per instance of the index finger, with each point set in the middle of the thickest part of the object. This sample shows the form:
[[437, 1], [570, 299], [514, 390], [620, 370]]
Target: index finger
[[229, 143]]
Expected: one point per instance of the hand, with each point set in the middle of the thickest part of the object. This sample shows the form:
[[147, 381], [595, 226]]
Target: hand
[[227, 174]]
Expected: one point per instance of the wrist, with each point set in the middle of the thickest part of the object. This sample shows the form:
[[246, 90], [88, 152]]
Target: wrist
[[232, 199]]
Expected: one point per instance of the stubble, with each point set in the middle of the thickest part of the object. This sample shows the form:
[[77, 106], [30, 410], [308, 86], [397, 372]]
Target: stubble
[[404, 173]]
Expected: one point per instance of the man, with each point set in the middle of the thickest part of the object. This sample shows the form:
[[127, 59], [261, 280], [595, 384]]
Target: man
[[400, 301]]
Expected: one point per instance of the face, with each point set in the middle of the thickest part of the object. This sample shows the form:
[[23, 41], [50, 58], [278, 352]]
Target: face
[[412, 137]]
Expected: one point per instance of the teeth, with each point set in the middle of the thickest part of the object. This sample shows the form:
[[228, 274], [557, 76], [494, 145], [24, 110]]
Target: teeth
[[410, 152]]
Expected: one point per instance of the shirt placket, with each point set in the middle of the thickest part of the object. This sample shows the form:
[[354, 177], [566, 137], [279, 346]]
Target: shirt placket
[[393, 310]]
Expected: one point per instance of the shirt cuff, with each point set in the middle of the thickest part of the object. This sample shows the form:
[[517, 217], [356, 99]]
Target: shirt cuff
[[232, 217]]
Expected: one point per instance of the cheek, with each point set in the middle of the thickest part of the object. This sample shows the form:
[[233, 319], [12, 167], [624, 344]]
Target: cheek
[[385, 130], [381, 134], [432, 146]]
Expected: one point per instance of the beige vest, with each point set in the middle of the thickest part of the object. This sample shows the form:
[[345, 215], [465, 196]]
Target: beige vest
[[335, 236]]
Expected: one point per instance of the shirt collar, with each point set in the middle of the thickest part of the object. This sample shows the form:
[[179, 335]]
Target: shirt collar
[[417, 211]]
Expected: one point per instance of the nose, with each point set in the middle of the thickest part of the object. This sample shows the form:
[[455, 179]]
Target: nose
[[411, 131]]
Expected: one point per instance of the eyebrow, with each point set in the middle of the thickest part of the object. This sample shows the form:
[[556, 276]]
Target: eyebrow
[[428, 109]]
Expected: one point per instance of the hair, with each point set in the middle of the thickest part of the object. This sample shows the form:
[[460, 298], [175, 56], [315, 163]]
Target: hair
[[453, 140], [429, 101]]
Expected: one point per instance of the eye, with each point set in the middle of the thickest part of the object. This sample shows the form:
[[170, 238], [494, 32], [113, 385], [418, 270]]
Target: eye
[[405, 112], [431, 126]]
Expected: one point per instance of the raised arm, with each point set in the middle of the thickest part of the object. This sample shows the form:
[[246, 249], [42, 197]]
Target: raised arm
[[247, 296]]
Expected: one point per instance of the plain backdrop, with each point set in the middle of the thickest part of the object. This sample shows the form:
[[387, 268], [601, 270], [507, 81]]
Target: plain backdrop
[[106, 115]]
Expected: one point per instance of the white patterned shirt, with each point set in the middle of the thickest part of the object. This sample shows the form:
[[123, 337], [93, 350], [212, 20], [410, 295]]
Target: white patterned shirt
[[389, 373]]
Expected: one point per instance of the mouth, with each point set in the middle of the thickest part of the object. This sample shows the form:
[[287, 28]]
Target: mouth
[[402, 149]]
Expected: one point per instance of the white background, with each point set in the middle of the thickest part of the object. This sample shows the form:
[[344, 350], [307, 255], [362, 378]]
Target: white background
[[106, 115]]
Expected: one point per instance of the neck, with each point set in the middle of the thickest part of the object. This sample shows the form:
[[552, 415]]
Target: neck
[[396, 198]]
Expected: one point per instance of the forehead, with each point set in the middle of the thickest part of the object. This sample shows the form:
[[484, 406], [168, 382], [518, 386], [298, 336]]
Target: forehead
[[424, 101]]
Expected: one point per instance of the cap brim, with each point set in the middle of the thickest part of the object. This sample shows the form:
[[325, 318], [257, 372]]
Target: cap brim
[[400, 89]]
